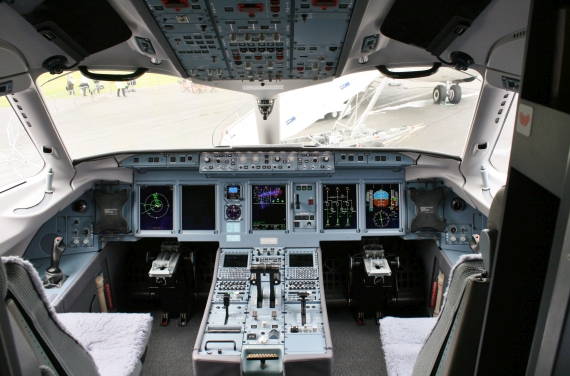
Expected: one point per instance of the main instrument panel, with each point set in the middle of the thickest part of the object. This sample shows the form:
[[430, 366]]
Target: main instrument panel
[[268, 198]]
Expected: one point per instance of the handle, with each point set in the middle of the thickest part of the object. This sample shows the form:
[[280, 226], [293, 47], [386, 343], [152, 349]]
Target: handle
[[112, 77], [220, 341], [410, 74]]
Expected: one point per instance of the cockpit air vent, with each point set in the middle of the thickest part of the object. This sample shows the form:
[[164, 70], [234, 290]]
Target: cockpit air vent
[[519, 34]]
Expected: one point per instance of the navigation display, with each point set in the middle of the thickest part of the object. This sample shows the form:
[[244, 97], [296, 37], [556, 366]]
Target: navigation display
[[339, 206], [268, 208], [382, 206], [300, 260], [156, 207], [235, 261], [198, 207]]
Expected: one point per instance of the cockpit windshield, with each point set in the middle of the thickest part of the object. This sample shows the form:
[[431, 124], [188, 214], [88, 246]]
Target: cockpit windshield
[[158, 112]]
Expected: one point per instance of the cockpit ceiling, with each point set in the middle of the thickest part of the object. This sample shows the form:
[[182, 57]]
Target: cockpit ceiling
[[255, 40]]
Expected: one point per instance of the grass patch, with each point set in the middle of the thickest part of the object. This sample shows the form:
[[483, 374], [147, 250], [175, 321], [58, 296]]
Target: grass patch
[[50, 86]]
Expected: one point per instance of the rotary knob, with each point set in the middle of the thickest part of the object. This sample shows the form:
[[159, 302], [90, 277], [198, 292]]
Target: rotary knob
[[255, 158], [291, 158], [207, 159], [326, 158], [243, 159], [277, 158]]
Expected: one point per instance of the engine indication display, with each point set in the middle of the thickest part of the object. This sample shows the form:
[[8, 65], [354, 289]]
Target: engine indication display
[[268, 208], [156, 207], [233, 212], [198, 207], [382, 206], [339, 206]]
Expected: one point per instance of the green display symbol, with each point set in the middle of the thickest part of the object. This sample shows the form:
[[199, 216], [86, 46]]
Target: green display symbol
[[156, 205]]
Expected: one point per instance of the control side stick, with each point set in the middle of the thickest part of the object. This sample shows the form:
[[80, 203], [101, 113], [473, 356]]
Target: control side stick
[[56, 252], [54, 276]]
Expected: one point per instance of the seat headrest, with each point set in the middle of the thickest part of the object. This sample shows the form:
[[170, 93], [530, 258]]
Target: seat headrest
[[496, 210], [3, 281]]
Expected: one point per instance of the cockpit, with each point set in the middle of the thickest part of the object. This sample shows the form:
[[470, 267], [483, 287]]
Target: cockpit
[[267, 187]]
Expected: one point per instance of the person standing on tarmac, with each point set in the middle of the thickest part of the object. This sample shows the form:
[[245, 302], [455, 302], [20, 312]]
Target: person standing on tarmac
[[84, 85], [70, 85], [121, 86]]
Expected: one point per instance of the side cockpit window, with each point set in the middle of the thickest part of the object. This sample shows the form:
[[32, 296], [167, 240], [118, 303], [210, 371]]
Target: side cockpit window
[[19, 158]]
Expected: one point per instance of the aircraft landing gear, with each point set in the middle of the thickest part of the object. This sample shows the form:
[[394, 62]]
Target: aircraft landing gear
[[439, 94], [453, 94], [332, 115]]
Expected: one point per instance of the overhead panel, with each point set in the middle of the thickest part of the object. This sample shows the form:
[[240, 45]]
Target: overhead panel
[[189, 30], [264, 40], [256, 37]]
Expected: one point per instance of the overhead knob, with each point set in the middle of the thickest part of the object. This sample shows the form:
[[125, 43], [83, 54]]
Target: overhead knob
[[207, 159], [277, 158], [326, 158]]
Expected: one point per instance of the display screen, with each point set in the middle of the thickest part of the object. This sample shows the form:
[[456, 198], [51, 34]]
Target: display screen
[[269, 207], [156, 207], [382, 206], [235, 261], [198, 207], [233, 192], [339, 206], [300, 260]]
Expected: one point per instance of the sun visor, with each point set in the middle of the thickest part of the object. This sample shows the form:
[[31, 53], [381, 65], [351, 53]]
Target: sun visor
[[431, 25], [79, 28]]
